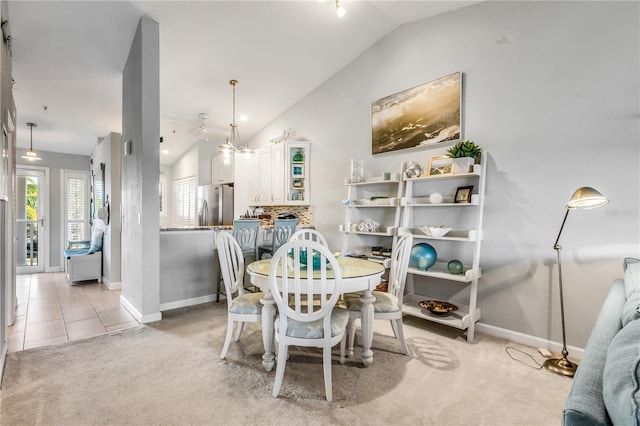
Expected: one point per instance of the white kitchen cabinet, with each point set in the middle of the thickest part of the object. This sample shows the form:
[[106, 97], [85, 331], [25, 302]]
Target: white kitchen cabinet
[[222, 168], [282, 175], [376, 199], [245, 181], [461, 243], [297, 173], [270, 176]]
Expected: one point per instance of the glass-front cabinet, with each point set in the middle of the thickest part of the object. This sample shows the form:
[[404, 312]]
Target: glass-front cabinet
[[297, 180]]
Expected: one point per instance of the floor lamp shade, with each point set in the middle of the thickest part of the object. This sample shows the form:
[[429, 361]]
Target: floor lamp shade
[[583, 198]]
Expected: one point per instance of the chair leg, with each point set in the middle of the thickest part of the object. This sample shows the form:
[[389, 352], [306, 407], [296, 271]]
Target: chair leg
[[240, 328], [227, 339], [400, 335], [394, 327], [351, 329], [326, 366], [343, 344], [283, 351]]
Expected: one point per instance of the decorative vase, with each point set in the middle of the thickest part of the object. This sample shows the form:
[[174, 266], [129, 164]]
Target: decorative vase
[[357, 171], [298, 157], [462, 165]]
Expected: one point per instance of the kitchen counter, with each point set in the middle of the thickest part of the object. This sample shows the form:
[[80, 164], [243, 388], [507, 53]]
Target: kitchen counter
[[189, 265], [196, 228]]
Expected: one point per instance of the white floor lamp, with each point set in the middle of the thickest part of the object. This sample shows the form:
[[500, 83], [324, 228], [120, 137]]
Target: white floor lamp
[[584, 198]]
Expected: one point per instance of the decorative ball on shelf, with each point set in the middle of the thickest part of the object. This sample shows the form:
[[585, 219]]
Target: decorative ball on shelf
[[455, 267], [435, 198], [423, 256]]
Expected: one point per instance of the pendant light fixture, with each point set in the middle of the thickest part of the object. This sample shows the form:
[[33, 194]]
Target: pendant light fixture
[[31, 155], [232, 142], [340, 10]]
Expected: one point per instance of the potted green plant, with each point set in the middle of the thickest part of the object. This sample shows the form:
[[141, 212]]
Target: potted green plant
[[464, 155]]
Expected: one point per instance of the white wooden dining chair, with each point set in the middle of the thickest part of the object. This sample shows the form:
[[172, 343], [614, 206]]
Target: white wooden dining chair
[[241, 307], [309, 234], [388, 305], [300, 322]]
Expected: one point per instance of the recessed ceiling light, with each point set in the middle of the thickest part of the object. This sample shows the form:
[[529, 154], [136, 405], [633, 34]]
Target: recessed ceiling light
[[244, 118], [165, 151]]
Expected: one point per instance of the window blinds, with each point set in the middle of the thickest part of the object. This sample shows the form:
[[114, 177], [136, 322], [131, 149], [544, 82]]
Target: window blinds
[[76, 208], [183, 197]]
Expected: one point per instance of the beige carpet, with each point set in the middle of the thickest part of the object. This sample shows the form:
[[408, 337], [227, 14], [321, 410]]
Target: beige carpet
[[169, 373]]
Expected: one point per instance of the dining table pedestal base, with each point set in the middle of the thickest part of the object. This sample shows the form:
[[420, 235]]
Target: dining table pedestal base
[[268, 317], [367, 300]]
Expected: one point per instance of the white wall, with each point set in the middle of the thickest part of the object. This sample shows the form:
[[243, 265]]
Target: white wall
[[109, 152], [140, 172], [551, 91]]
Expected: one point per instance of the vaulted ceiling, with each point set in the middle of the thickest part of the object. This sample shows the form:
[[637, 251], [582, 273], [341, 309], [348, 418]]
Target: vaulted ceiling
[[68, 58]]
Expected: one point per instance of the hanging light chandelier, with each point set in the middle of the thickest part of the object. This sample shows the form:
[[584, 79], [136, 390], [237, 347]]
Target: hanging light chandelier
[[340, 10], [31, 155], [232, 142]]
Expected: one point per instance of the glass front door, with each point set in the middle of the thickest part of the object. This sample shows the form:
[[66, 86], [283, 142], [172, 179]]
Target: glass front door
[[30, 221]]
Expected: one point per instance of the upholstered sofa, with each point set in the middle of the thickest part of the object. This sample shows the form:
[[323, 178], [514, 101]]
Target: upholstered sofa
[[606, 386], [84, 258]]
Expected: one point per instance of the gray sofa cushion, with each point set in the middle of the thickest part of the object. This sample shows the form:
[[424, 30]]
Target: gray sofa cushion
[[622, 376], [632, 278], [585, 405], [631, 309]]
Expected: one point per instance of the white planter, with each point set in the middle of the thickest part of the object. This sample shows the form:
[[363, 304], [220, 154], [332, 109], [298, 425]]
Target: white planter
[[462, 165]]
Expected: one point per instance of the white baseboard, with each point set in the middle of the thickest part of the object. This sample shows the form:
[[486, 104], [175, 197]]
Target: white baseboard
[[116, 285], [142, 319], [187, 302], [525, 339], [54, 269]]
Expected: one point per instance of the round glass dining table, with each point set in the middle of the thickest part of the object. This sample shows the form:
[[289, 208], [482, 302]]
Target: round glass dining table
[[357, 275]]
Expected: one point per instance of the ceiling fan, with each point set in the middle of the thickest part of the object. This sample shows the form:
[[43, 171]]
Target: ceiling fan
[[202, 129]]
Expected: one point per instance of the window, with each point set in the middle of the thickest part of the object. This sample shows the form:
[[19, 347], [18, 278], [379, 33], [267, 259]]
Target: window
[[76, 206], [163, 196], [184, 201]]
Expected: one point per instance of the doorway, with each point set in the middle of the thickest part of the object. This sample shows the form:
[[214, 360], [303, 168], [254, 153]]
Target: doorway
[[31, 242]]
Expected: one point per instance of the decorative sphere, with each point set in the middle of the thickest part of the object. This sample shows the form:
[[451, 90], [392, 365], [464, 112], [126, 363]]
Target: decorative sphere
[[423, 256], [435, 198], [455, 267]]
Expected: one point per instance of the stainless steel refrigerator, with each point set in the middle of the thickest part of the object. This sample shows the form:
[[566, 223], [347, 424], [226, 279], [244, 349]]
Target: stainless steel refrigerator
[[215, 205]]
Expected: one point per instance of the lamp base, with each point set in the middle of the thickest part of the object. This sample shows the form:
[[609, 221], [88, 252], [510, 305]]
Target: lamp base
[[561, 366]]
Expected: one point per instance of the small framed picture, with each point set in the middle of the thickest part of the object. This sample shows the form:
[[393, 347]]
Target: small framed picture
[[297, 196], [297, 170], [463, 194], [440, 165], [298, 183]]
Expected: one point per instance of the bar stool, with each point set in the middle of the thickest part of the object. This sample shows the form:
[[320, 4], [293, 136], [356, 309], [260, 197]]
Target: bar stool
[[245, 233], [282, 230]]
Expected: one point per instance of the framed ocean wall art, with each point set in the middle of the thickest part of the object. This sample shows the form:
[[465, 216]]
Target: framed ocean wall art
[[419, 117]]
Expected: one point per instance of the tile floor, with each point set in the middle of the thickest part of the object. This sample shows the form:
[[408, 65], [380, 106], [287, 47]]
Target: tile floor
[[51, 311]]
